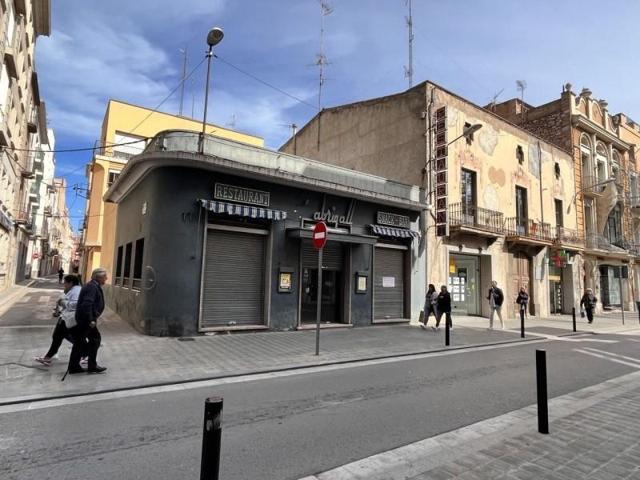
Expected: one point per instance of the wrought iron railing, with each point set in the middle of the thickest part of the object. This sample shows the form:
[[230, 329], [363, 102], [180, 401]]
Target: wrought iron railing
[[600, 242], [567, 236], [462, 214], [527, 228]]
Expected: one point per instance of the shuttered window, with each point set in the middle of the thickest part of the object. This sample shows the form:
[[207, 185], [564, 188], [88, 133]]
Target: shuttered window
[[332, 256], [388, 283]]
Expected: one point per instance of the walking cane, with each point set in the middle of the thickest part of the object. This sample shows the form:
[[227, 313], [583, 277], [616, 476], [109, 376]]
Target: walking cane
[[65, 374]]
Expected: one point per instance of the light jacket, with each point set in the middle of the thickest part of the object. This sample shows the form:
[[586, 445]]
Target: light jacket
[[67, 306]]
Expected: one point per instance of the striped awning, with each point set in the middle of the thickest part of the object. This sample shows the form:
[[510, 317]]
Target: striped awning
[[394, 232], [243, 210]]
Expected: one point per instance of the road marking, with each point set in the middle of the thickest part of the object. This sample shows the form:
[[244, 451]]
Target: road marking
[[631, 359], [580, 337], [606, 357], [59, 402], [24, 299], [44, 298]]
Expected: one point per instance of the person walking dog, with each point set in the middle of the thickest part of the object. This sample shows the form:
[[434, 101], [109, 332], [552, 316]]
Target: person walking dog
[[65, 312], [430, 305], [588, 304], [85, 333], [496, 299], [444, 307]]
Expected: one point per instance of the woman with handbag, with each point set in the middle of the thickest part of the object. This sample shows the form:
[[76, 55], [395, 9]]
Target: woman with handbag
[[588, 304], [430, 305]]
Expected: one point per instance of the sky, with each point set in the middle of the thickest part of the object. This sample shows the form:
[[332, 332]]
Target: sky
[[131, 50]]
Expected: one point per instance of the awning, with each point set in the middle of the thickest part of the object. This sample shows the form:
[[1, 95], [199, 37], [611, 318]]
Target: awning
[[394, 232], [243, 210]]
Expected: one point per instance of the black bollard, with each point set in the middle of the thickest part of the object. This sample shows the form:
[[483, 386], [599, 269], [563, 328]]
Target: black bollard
[[541, 376], [447, 333], [211, 439], [573, 314], [521, 322]]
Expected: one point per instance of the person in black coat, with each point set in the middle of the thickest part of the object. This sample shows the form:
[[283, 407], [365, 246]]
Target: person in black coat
[[523, 301], [86, 337], [444, 307], [588, 303], [496, 299]]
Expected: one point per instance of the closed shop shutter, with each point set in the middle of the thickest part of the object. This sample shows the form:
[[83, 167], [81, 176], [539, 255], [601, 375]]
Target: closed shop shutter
[[332, 256], [233, 288], [388, 283]]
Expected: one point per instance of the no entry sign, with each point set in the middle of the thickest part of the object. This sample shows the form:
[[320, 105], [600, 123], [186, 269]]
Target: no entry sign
[[319, 235]]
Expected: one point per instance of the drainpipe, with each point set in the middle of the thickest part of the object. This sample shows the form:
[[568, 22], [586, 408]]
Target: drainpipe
[[539, 311], [427, 181]]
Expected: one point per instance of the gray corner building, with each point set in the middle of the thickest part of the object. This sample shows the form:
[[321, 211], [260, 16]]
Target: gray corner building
[[221, 241]]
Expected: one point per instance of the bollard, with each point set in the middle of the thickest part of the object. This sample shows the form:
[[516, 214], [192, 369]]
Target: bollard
[[541, 377], [211, 439], [522, 311], [447, 333], [573, 314]]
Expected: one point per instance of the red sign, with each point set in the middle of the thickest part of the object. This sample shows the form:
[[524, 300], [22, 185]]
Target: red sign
[[319, 235], [36, 255]]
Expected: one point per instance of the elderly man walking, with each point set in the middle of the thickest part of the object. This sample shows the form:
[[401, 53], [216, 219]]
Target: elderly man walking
[[86, 337]]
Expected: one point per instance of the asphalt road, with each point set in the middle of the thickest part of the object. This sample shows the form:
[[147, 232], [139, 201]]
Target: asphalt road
[[286, 428]]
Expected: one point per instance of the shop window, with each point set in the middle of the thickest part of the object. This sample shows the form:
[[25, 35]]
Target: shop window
[[118, 280], [520, 154], [127, 263], [137, 264]]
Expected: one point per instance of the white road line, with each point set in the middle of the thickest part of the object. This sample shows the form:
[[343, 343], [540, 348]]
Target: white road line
[[24, 300], [631, 359], [35, 405], [605, 357], [44, 298]]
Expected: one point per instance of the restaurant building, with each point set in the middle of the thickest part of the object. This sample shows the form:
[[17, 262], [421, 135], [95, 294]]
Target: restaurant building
[[221, 241]]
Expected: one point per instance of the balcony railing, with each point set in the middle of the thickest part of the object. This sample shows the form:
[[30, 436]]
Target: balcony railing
[[527, 228], [567, 236], [600, 242], [465, 215], [590, 185]]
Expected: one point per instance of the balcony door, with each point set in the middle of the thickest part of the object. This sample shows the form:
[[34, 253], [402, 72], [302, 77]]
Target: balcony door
[[613, 228], [468, 196], [521, 210]]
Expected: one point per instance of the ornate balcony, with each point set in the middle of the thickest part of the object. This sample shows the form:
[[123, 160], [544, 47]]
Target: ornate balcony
[[568, 238], [590, 185], [619, 248], [529, 232], [465, 218]]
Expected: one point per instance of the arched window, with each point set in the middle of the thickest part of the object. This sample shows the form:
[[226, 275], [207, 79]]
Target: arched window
[[602, 162], [587, 164]]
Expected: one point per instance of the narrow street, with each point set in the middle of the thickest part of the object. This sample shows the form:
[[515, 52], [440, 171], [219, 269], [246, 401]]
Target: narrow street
[[291, 426]]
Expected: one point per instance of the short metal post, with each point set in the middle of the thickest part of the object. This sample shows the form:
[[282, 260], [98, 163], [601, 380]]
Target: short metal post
[[211, 439], [522, 307], [573, 315], [621, 293], [447, 332], [541, 377], [319, 300]]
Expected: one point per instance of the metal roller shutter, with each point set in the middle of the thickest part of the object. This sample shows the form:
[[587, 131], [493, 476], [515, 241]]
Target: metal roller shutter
[[233, 288], [332, 256], [388, 283]]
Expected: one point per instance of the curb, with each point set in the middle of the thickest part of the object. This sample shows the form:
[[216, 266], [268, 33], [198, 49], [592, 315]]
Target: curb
[[274, 370], [9, 299]]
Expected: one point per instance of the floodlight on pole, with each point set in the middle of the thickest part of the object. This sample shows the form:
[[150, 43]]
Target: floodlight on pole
[[214, 37], [467, 132]]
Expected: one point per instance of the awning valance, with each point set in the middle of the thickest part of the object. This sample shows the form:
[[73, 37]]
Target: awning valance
[[243, 210], [394, 232]]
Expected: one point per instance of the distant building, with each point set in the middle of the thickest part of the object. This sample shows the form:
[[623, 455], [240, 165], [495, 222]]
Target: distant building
[[125, 131]]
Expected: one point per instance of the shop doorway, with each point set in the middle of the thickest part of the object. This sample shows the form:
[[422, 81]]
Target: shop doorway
[[333, 284], [520, 270], [464, 275], [556, 296]]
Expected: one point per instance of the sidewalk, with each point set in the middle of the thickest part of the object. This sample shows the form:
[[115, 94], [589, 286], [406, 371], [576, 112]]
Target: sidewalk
[[594, 434]]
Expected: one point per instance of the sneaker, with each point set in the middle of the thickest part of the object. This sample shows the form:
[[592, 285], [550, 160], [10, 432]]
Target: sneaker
[[97, 369], [44, 361]]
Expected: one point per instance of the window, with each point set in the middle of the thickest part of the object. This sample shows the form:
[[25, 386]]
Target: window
[[137, 263], [127, 262], [113, 176], [521, 210], [126, 145], [556, 170], [520, 154], [468, 187], [558, 205], [118, 280], [613, 229]]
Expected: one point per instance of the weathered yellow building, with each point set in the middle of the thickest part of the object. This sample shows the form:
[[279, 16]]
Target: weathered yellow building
[[125, 131], [500, 198]]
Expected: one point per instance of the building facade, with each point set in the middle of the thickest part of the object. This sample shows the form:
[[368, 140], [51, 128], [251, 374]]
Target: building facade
[[222, 241], [125, 131], [603, 147], [22, 130], [500, 198]]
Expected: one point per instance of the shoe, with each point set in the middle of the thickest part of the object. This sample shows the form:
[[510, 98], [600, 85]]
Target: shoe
[[84, 361], [44, 361], [423, 327], [97, 369], [79, 370], [433, 328]]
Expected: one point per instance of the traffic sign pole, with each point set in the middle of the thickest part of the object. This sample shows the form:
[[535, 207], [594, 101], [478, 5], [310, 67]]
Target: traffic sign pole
[[319, 306]]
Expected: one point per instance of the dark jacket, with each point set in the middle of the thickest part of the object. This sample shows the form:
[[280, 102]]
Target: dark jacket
[[444, 302], [498, 296], [90, 304], [588, 301], [523, 298]]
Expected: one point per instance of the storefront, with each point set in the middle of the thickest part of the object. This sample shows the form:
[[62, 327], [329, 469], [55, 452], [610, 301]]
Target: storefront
[[222, 242], [464, 284]]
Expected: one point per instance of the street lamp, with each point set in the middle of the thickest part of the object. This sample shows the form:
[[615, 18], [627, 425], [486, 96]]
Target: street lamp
[[467, 132], [582, 189], [214, 37]]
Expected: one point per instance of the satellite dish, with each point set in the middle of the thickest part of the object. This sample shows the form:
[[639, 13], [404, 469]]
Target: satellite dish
[[215, 36]]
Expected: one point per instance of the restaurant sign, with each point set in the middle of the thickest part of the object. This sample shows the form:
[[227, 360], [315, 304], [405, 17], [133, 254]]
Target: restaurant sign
[[241, 195], [393, 220]]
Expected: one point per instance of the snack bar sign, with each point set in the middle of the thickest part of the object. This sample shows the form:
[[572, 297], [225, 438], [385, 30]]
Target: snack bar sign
[[241, 195], [393, 220]]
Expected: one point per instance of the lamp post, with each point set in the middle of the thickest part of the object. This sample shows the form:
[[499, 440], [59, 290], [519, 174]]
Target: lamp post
[[213, 38], [582, 189], [467, 132]]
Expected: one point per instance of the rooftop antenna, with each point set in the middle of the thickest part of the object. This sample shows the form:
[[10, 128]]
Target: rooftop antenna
[[294, 131], [183, 51], [494, 99], [321, 59], [232, 121], [521, 85], [408, 70]]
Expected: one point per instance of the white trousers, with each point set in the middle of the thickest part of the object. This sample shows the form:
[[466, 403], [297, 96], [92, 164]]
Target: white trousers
[[495, 310]]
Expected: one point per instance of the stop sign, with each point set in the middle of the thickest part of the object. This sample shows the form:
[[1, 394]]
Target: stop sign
[[319, 235]]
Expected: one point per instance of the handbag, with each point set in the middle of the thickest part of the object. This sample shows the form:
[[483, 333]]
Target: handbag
[[582, 313], [421, 318]]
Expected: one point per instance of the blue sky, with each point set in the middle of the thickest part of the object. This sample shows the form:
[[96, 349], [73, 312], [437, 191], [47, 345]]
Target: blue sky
[[476, 48]]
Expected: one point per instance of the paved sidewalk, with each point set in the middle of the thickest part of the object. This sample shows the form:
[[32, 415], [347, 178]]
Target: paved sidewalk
[[594, 435]]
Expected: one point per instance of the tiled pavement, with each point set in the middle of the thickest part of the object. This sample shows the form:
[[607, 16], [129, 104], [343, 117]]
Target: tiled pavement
[[594, 435]]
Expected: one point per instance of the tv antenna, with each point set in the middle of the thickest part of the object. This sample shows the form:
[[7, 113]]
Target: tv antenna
[[232, 121], [521, 85], [183, 51], [294, 131], [495, 97], [321, 59], [408, 70]]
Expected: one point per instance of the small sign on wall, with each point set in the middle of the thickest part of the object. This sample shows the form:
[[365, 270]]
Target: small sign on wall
[[285, 280], [361, 282], [388, 282]]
